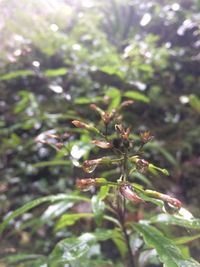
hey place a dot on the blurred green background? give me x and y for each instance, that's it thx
(57, 57)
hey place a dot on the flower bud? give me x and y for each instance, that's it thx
(166, 198)
(126, 190)
(83, 125)
(104, 115)
(126, 103)
(146, 137)
(142, 165)
(102, 144)
(90, 165)
(87, 184)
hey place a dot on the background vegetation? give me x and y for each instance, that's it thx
(57, 57)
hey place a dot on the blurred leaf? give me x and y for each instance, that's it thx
(86, 100)
(195, 102)
(169, 254)
(51, 163)
(20, 257)
(115, 96)
(16, 74)
(167, 155)
(30, 205)
(55, 72)
(137, 96)
(70, 219)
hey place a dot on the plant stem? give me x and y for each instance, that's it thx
(121, 213)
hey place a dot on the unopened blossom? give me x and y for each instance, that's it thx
(126, 190)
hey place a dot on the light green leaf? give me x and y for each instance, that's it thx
(70, 219)
(87, 100)
(20, 257)
(98, 207)
(71, 249)
(119, 241)
(37, 202)
(15, 74)
(167, 219)
(55, 72)
(185, 239)
(137, 96)
(115, 95)
(169, 254)
(195, 102)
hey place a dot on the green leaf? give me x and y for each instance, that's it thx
(98, 207)
(37, 202)
(70, 249)
(20, 257)
(169, 254)
(195, 102)
(51, 163)
(167, 219)
(137, 96)
(55, 72)
(15, 74)
(185, 239)
(119, 241)
(87, 100)
(115, 95)
(70, 219)
(167, 155)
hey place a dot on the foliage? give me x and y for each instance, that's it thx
(57, 57)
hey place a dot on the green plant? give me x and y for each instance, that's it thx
(120, 206)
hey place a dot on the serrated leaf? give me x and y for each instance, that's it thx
(70, 219)
(169, 254)
(137, 96)
(32, 204)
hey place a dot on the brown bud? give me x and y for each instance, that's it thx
(166, 198)
(142, 165)
(102, 144)
(85, 184)
(146, 137)
(104, 115)
(126, 190)
(88, 183)
(90, 165)
(59, 145)
(83, 125)
(126, 103)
